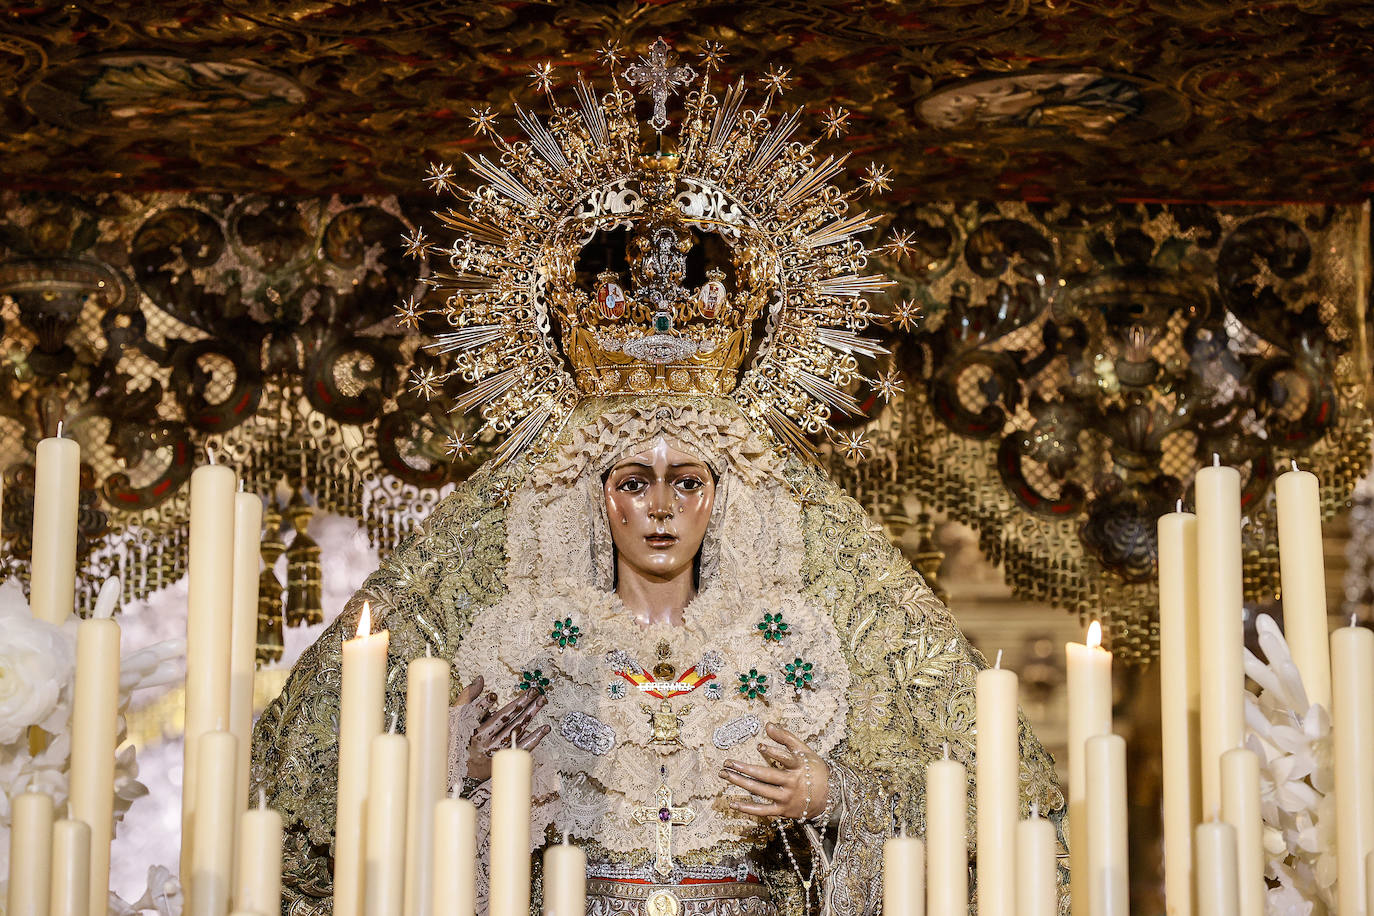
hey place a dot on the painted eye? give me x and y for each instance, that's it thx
(631, 485)
(690, 483)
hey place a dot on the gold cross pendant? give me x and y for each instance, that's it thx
(665, 815)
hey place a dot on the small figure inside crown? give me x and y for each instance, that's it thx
(711, 298)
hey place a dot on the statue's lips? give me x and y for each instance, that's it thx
(660, 540)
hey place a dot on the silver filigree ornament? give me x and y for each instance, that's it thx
(736, 731)
(587, 733)
(658, 77)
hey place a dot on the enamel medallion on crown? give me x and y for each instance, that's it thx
(709, 253)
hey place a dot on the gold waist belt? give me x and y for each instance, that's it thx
(665, 899)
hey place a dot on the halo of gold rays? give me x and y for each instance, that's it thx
(517, 230)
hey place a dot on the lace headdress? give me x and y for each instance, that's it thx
(603, 256)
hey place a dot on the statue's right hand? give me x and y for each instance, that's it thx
(498, 726)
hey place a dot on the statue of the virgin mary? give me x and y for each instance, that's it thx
(730, 680)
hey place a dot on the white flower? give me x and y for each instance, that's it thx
(35, 669)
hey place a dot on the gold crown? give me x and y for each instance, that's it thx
(585, 266)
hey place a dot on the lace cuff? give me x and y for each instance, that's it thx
(852, 879)
(462, 725)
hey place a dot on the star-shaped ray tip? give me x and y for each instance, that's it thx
(417, 243)
(483, 121)
(458, 445)
(836, 121)
(439, 177)
(410, 312)
(888, 385)
(853, 444)
(777, 80)
(877, 178)
(425, 382)
(906, 315)
(901, 243)
(712, 53)
(541, 77)
(610, 54)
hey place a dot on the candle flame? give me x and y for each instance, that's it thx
(1094, 635)
(365, 621)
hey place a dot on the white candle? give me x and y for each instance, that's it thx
(94, 730)
(1089, 675)
(362, 696)
(1303, 576)
(946, 838)
(57, 487)
(565, 880)
(904, 872)
(1369, 883)
(384, 884)
(455, 857)
(1240, 807)
(1352, 745)
(30, 877)
(1037, 876)
(997, 781)
(258, 887)
(1217, 886)
(210, 567)
(1180, 705)
(70, 893)
(427, 693)
(511, 772)
(1220, 624)
(243, 636)
(1108, 878)
(212, 848)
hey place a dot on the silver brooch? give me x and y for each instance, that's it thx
(714, 691)
(711, 662)
(736, 732)
(616, 690)
(620, 660)
(587, 733)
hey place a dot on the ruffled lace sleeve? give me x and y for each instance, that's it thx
(852, 881)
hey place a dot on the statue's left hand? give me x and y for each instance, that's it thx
(794, 784)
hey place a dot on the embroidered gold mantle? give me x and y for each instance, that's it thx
(910, 670)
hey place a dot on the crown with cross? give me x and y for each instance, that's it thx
(599, 258)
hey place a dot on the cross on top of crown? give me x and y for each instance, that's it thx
(659, 77)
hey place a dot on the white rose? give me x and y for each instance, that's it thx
(35, 669)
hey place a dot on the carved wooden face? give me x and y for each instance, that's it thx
(658, 503)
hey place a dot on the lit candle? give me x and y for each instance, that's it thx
(70, 893)
(1217, 885)
(904, 872)
(947, 837)
(210, 579)
(1352, 745)
(1180, 704)
(1108, 880)
(565, 880)
(997, 783)
(56, 489)
(511, 772)
(212, 848)
(427, 693)
(362, 696)
(455, 857)
(30, 877)
(94, 735)
(258, 888)
(1240, 807)
(1037, 883)
(1303, 576)
(1220, 598)
(1089, 674)
(243, 637)
(384, 885)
